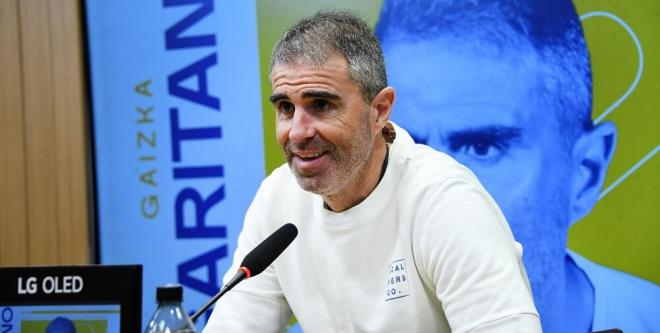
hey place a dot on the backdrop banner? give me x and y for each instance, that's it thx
(178, 138)
(184, 131)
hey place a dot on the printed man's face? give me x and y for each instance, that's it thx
(483, 109)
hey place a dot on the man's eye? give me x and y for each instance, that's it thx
(482, 149)
(285, 108)
(485, 146)
(322, 105)
(479, 150)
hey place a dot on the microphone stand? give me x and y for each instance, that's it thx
(240, 276)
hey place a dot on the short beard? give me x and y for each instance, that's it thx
(349, 161)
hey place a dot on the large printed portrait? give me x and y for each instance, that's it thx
(507, 88)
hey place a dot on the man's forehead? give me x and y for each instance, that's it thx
(460, 84)
(458, 116)
(299, 75)
(447, 55)
(303, 63)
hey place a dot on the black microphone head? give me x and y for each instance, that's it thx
(265, 253)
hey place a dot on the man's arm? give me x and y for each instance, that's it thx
(256, 304)
(465, 250)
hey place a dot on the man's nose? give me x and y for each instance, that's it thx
(302, 126)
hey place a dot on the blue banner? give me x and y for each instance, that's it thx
(178, 137)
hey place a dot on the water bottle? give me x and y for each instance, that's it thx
(170, 317)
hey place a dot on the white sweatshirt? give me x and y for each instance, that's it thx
(427, 251)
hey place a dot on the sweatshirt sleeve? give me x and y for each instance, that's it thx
(466, 252)
(258, 303)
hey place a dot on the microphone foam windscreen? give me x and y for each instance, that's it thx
(265, 253)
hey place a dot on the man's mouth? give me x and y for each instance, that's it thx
(309, 156)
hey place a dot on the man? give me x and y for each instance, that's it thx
(504, 87)
(393, 236)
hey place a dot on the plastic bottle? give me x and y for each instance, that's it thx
(170, 317)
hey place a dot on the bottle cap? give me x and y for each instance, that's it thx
(169, 293)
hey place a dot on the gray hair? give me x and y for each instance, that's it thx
(327, 33)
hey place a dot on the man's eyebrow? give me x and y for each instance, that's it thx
(307, 94)
(320, 94)
(274, 98)
(487, 133)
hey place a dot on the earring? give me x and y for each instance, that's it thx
(388, 132)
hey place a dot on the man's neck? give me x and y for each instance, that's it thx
(364, 182)
(572, 306)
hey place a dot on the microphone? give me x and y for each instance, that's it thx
(256, 261)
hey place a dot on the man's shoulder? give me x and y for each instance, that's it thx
(613, 280)
(428, 179)
(424, 166)
(422, 158)
(620, 299)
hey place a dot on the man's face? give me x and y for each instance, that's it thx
(322, 124)
(484, 110)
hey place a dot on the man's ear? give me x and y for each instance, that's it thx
(382, 104)
(592, 153)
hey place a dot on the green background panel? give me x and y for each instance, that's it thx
(623, 230)
(82, 326)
